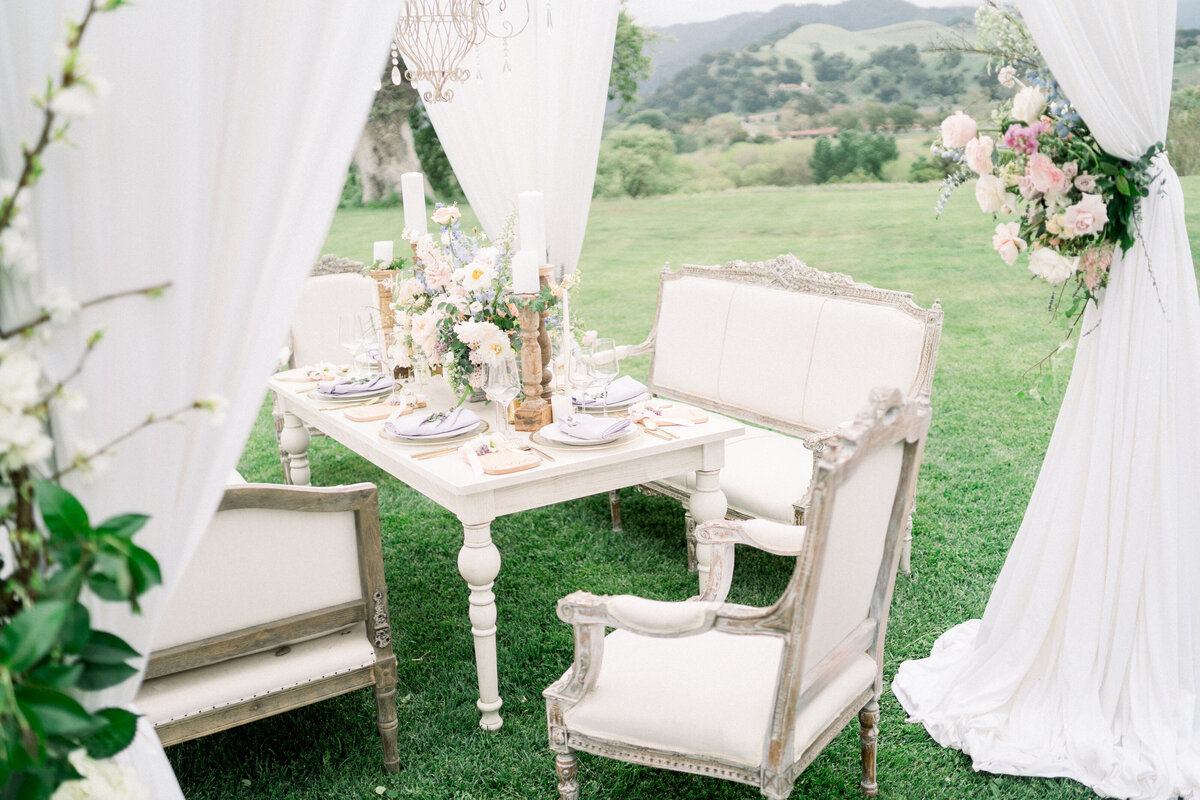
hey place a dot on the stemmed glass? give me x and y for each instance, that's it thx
(605, 365)
(351, 333)
(502, 385)
(580, 374)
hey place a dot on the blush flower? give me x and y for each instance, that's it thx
(1086, 217)
(979, 155)
(1007, 242)
(1051, 265)
(1028, 104)
(991, 194)
(1046, 177)
(958, 129)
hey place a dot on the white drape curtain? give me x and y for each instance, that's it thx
(1087, 659)
(538, 125)
(214, 163)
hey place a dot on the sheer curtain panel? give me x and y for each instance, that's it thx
(214, 162)
(530, 118)
(1087, 659)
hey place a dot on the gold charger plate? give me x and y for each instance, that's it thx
(537, 438)
(470, 433)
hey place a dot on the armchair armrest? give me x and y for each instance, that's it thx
(773, 537)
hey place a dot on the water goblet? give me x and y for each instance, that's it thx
(502, 385)
(580, 373)
(605, 365)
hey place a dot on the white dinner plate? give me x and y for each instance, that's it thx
(462, 434)
(552, 433)
(598, 408)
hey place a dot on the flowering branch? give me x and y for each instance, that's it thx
(46, 315)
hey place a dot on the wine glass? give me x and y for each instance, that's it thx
(350, 334)
(605, 365)
(580, 374)
(502, 385)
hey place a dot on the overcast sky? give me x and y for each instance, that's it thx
(660, 13)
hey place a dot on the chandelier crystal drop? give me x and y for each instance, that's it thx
(435, 36)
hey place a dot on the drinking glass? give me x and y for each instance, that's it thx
(502, 385)
(580, 375)
(350, 334)
(605, 365)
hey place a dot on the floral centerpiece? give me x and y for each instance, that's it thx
(457, 309)
(1058, 198)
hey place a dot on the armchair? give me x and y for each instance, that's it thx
(283, 604)
(779, 683)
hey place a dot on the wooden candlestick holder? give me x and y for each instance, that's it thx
(534, 411)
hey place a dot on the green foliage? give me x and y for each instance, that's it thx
(638, 161)
(852, 152)
(930, 168)
(434, 162)
(1183, 131)
(49, 652)
(631, 62)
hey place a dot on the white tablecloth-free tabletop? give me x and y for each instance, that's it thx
(477, 500)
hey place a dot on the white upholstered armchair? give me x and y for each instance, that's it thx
(778, 683)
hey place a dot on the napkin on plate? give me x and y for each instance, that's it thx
(354, 385)
(622, 390)
(439, 424)
(593, 429)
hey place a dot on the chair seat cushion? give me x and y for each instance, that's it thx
(709, 695)
(195, 691)
(764, 473)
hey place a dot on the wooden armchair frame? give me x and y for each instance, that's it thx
(888, 420)
(371, 609)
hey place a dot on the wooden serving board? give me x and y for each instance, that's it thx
(507, 461)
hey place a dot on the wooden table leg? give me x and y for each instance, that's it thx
(479, 564)
(707, 502)
(295, 439)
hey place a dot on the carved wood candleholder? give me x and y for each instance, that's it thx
(534, 411)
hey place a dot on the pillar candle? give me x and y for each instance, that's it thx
(412, 186)
(532, 208)
(383, 252)
(525, 273)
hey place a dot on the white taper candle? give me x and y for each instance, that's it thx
(412, 188)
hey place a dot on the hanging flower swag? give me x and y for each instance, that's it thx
(457, 309)
(1060, 200)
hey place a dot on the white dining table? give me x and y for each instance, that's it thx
(476, 500)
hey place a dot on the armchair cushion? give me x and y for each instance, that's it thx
(228, 683)
(764, 474)
(708, 694)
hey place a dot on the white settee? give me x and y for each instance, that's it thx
(790, 350)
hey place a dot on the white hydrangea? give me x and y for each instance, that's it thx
(73, 102)
(23, 440)
(17, 251)
(105, 779)
(59, 305)
(19, 378)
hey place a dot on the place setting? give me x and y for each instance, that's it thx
(440, 427)
(595, 385)
(586, 432)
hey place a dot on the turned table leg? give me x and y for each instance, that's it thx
(479, 564)
(294, 440)
(706, 503)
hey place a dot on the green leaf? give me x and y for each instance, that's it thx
(61, 512)
(65, 584)
(144, 569)
(60, 714)
(106, 648)
(113, 737)
(102, 676)
(62, 677)
(124, 526)
(31, 634)
(1122, 184)
(77, 629)
(106, 588)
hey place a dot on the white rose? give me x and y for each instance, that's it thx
(1051, 265)
(991, 194)
(1007, 76)
(446, 215)
(476, 307)
(1028, 104)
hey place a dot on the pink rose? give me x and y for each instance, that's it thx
(1007, 243)
(958, 129)
(979, 154)
(1026, 187)
(1046, 177)
(1086, 183)
(1094, 264)
(437, 273)
(1086, 217)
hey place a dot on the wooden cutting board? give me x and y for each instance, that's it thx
(507, 461)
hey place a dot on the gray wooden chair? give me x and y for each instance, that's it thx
(283, 605)
(754, 694)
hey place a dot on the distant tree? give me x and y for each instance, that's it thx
(875, 116)
(851, 154)
(638, 161)
(845, 119)
(631, 59)
(823, 161)
(650, 116)
(810, 104)
(904, 115)
(834, 67)
(875, 151)
(930, 168)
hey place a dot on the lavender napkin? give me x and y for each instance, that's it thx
(438, 424)
(346, 386)
(593, 429)
(622, 390)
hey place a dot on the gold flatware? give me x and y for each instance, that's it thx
(434, 453)
(370, 402)
(659, 434)
(546, 456)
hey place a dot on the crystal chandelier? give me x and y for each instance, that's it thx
(435, 37)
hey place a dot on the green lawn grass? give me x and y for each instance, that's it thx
(983, 455)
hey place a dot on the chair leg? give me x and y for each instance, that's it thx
(385, 711)
(614, 507)
(906, 549)
(868, 736)
(567, 766)
(689, 535)
(284, 459)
